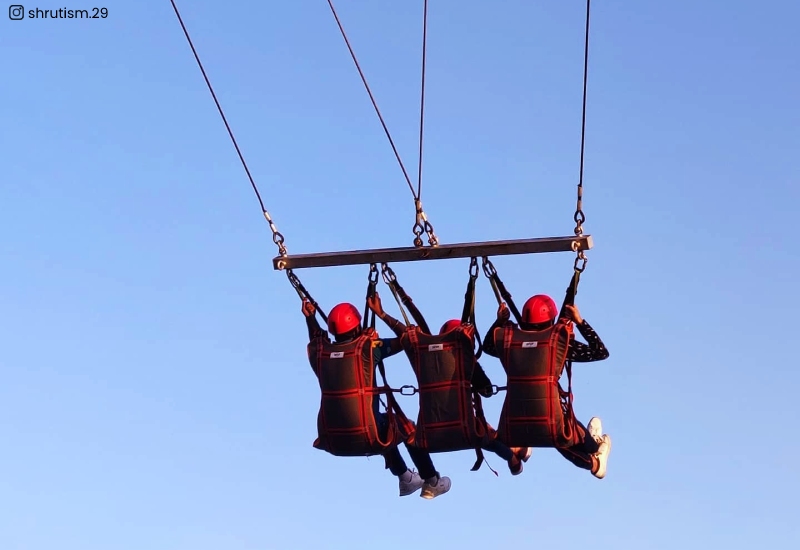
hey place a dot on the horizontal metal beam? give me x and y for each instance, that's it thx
(441, 252)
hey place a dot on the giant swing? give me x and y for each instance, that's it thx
(443, 384)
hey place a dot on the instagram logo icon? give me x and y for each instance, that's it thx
(16, 12)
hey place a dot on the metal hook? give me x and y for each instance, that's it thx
(388, 275)
(488, 267)
(473, 267)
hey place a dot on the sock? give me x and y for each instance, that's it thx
(432, 480)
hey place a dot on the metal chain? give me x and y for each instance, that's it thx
(277, 236)
(423, 225)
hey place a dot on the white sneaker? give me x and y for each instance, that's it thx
(432, 491)
(602, 457)
(596, 429)
(412, 485)
(522, 454)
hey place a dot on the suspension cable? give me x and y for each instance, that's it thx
(422, 95)
(580, 217)
(421, 220)
(277, 236)
(372, 98)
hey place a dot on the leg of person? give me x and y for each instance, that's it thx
(591, 452)
(514, 457)
(409, 481)
(435, 484)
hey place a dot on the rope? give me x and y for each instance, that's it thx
(580, 217)
(422, 96)
(372, 98)
(277, 237)
(421, 223)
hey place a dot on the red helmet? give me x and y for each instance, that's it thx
(450, 325)
(343, 318)
(539, 309)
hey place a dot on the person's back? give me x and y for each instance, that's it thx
(538, 371)
(366, 351)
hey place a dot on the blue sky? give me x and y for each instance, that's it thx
(155, 390)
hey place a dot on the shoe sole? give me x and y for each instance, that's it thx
(608, 452)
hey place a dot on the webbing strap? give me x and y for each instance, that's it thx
(304, 294)
(468, 312)
(393, 410)
(572, 291)
(500, 290)
(369, 315)
(402, 298)
(479, 415)
(390, 279)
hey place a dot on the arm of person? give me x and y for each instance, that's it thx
(489, 345)
(314, 330)
(374, 303)
(481, 382)
(593, 350)
(386, 347)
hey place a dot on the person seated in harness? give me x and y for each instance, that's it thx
(478, 380)
(344, 322)
(521, 349)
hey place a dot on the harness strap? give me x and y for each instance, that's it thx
(500, 290)
(394, 412)
(484, 427)
(468, 312)
(402, 298)
(572, 290)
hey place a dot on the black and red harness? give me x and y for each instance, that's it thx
(450, 414)
(537, 410)
(346, 422)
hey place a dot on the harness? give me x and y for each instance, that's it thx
(443, 366)
(537, 411)
(450, 414)
(346, 422)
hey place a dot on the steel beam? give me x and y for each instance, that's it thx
(441, 252)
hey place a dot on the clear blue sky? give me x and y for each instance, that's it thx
(155, 392)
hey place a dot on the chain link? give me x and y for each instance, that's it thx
(277, 236)
(579, 217)
(373, 274)
(388, 274)
(422, 225)
(488, 267)
(580, 258)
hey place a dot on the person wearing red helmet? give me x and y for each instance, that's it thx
(590, 447)
(344, 323)
(480, 382)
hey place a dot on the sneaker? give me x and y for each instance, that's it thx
(439, 488)
(602, 457)
(596, 429)
(523, 453)
(412, 485)
(515, 470)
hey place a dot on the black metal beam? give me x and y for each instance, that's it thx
(441, 252)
